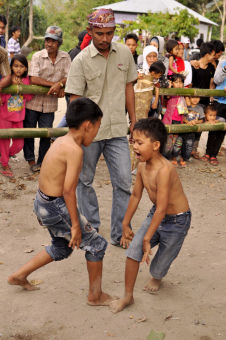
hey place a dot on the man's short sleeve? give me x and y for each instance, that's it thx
(76, 81)
(68, 65)
(34, 68)
(132, 72)
(4, 63)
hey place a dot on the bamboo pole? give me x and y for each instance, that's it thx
(57, 132)
(34, 89)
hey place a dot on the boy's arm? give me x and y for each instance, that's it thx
(162, 198)
(212, 86)
(155, 104)
(74, 162)
(134, 200)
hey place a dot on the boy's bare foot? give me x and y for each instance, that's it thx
(13, 280)
(152, 286)
(118, 305)
(103, 300)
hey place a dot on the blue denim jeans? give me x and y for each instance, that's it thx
(116, 154)
(54, 215)
(44, 120)
(170, 236)
(187, 145)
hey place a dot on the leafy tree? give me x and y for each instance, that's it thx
(163, 24)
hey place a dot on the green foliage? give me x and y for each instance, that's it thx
(163, 24)
(19, 16)
(184, 23)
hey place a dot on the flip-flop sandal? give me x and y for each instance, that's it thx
(35, 167)
(195, 155)
(213, 161)
(183, 164)
(205, 158)
(174, 163)
(8, 174)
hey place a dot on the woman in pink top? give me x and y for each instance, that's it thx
(12, 112)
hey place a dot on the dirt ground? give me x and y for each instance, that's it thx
(190, 304)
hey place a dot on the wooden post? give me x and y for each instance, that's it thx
(143, 96)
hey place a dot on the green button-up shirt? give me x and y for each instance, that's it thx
(104, 80)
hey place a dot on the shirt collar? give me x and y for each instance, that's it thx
(94, 51)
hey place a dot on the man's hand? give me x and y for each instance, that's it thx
(61, 93)
(76, 237)
(127, 236)
(147, 251)
(154, 105)
(54, 89)
(195, 63)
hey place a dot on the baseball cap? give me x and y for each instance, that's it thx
(54, 32)
(187, 41)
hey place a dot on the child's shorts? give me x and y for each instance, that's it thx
(170, 236)
(54, 215)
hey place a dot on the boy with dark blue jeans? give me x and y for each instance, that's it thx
(56, 204)
(167, 223)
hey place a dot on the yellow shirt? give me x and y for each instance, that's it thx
(104, 80)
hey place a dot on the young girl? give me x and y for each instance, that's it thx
(183, 67)
(176, 107)
(12, 112)
(172, 49)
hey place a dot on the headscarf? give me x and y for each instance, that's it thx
(101, 18)
(146, 51)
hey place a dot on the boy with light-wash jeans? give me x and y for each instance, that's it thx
(168, 221)
(56, 205)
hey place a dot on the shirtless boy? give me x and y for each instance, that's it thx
(169, 219)
(56, 205)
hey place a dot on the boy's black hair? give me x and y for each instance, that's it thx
(210, 107)
(154, 129)
(157, 67)
(23, 60)
(199, 42)
(170, 45)
(206, 48)
(14, 29)
(131, 36)
(218, 46)
(80, 110)
(3, 19)
(176, 76)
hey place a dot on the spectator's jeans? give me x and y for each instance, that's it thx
(116, 154)
(44, 120)
(215, 139)
(187, 145)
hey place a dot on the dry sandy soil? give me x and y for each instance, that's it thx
(190, 304)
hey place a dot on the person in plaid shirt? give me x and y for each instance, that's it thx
(49, 67)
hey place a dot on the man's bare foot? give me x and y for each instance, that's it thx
(13, 280)
(118, 305)
(103, 300)
(152, 286)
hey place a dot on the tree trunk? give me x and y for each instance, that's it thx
(7, 26)
(30, 38)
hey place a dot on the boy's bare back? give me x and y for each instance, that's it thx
(61, 165)
(161, 180)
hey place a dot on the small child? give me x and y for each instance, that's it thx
(156, 70)
(169, 219)
(12, 112)
(131, 41)
(215, 138)
(172, 48)
(195, 116)
(56, 205)
(174, 115)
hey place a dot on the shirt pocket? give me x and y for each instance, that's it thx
(93, 81)
(122, 74)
